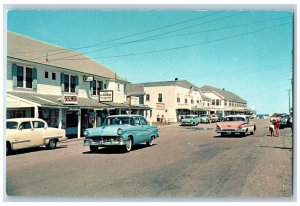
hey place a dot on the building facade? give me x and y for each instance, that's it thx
(77, 93)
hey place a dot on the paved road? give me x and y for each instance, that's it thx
(184, 162)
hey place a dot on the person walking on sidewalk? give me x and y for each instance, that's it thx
(277, 126)
(158, 119)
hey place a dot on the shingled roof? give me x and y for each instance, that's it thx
(26, 48)
(180, 83)
(224, 93)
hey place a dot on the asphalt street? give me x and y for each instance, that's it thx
(184, 162)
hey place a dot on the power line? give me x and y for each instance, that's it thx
(181, 47)
(127, 36)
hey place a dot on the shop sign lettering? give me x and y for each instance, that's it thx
(106, 96)
(160, 106)
(70, 99)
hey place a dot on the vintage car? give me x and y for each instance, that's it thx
(190, 120)
(31, 132)
(214, 118)
(121, 130)
(233, 124)
(204, 118)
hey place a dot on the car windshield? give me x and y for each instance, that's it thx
(11, 125)
(188, 117)
(118, 121)
(233, 119)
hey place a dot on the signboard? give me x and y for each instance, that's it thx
(160, 106)
(70, 99)
(134, 101)
(88, 78)
(106, 96)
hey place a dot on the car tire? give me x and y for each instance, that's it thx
(51, 144)
(8, 148)
(253, 132)
(128, 146)
(243, 134)
(93, 148)
(222, 134)
(150, 143)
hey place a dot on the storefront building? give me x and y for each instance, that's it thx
(74, 94)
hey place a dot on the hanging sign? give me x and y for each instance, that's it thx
(70, 99)
(106, 96)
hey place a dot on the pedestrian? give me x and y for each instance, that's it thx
(158, 119)
(277, 126)
(162, 120)
(271, 130)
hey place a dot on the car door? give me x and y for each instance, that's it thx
(38, 133)
(138, 130)
(146, 131)
(23, 136)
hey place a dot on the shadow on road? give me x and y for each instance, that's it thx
(230, 136)
(34, 149)
(289, 148)
(117, 150)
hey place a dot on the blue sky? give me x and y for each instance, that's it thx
(246, 52)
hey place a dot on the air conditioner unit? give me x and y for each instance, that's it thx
(88, 78)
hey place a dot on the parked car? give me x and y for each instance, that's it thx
(284, 120)
(233, 124)
(121, 130)
(31, 132)
(204, 118)
(214, 118)
(190, 120)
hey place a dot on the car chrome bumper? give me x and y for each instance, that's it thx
(90, 142)
(230, 131)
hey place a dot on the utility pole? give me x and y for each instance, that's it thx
(289, 99)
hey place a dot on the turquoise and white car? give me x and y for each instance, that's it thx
(190, 120)
(121, 130)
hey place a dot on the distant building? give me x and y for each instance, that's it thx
(224, 102)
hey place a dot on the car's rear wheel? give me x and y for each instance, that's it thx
(222, 134)
(243, 134)
(8, 148)
(150, 142)
(51, 144)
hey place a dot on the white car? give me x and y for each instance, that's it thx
(31, 132)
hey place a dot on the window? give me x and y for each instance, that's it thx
(217, 102)
(213, 102)
(178, 99)
(147, 97)
(185, 100)
(20, 75)
(69, 83)
(143, 121)
(38, 124)
(192, 101)
(53, 76)
(23, 76)
(96, 87)
(118, 87)
(225, 102)
(159, 97)
(28, 77)
(25, 125)
(46, 75)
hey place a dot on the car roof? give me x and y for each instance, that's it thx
(125, 115)
(237, 115)
(24, 119)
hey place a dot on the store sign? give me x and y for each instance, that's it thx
(70, 99)
(88, 78)
(160, 106)
(134, 101)
(106, 96)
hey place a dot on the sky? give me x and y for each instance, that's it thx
(245, 52)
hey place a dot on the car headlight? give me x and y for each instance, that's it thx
(85, 133)
(120, 131)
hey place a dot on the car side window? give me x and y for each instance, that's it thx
(143, 121)
(38, 124)
(136, 121)
(25, 125)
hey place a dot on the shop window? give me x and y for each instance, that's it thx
(46, 75)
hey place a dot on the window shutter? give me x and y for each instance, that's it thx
(34, 78)
(76, 84)
(14, 74)
(62, 80)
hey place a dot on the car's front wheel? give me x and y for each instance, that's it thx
(128, 146)
(51, 144)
